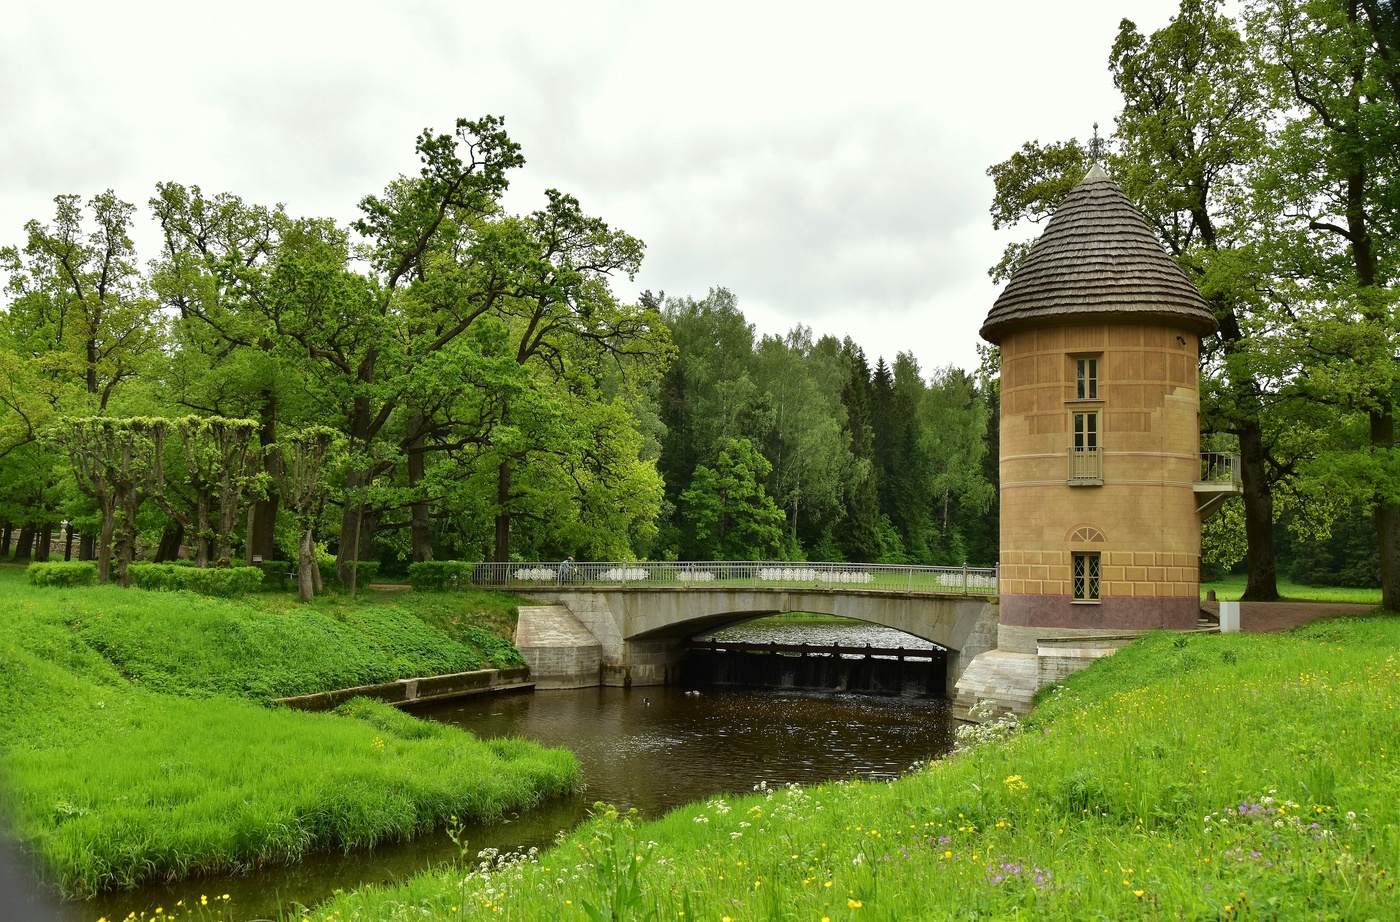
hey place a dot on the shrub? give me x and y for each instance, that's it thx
(440, 574)
(63, 573)
(171, 577)
(275, 574)
(366, 571)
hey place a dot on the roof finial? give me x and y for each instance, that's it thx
(1096, 146)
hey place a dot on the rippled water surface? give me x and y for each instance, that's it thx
(649, 748)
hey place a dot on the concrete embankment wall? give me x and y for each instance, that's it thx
(420, 690)
(560, 650)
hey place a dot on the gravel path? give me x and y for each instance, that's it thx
(1260, 617)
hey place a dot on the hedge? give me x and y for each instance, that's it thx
(63, 573)
(365, 573)
(440, 574)
(229, 581)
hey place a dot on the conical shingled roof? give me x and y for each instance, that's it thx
(1097, 260)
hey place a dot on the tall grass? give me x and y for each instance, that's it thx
(1186, 777)
(130, 750)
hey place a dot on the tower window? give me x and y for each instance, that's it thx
(1086, 374)
(1086, 431)
(1086, 577)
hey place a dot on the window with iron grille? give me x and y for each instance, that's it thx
(1086, 577)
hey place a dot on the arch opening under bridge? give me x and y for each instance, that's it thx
(641, 632)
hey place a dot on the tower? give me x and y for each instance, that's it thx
(1100, 434)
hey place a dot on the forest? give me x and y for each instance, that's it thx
(441, 379)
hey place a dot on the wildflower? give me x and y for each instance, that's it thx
(854, 903)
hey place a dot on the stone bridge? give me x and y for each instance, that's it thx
(635, 634)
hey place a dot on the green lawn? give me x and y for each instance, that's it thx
(1186, 777)
(137, 744)
(1230, 588)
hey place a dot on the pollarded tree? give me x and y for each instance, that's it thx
(117, 463)
(301, 473)
(222, 464)
(730, 514)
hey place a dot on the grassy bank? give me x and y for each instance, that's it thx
(1231, 587)
(137, 744)
(1186, 777)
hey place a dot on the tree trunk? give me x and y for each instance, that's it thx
(262, 514)
(6, 535)
(44, 545)
(24, 550)
(356, 526)
(104, 546)
(203, 531)
(501, 553)
(420, 524)
(67, 540)
(170, 540)
(1387, 516)
(87, 550)
(1258, 516)
(306, 567)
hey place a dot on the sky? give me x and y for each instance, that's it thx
(824, 162)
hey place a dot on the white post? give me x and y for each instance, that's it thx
(1229, 617)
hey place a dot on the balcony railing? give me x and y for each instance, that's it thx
(1220, 467)
(1086, 466)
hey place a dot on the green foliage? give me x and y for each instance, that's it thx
(440, 574)
(222, 581)
(63, 573)
(730, 512)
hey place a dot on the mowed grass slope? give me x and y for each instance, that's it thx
(1186, 777)
(135, 743)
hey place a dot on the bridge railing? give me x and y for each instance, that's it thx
(731, 574)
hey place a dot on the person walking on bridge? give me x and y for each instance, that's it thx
(567, 570)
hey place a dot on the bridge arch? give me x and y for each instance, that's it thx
(642, 631)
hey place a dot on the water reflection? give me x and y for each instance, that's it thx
(658, 748)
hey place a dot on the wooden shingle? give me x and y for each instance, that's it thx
(1097, 261)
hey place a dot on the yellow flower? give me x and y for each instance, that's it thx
(853, 903)
(1138, 893)
(828, 883)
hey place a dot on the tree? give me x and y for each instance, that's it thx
(1330, 185)
(301, 474)
(858, 532)
(730, 514)
(80, 321)
(221, 465)
(568, 327)
(214, 275)
(117, 463)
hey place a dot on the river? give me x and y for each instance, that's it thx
(648, 748)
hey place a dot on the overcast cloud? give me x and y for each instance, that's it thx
(825, 162)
